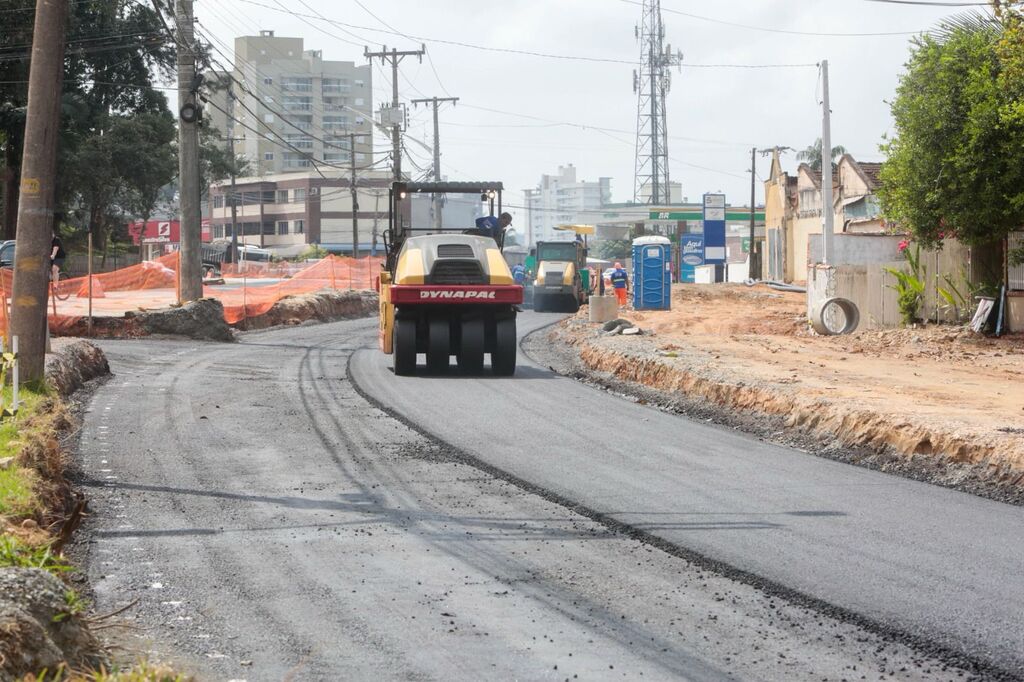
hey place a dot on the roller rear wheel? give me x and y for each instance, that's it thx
(471, 350)
(503, 358)
(404, 347)
(438, 345)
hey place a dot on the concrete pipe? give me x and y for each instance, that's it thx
(850, 312)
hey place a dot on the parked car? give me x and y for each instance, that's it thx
(7, 253)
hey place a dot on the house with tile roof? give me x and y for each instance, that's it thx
(793, 212)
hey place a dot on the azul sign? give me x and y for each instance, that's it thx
(691, 255)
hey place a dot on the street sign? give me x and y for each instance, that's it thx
(714, 229)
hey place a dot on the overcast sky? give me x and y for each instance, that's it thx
(715, 115)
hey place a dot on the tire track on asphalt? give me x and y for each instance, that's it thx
(920, 643)
(548, 596)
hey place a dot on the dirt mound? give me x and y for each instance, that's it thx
(40, 628)
(202, 319)
(74, 363)
(323, 306)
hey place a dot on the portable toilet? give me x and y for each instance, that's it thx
(652, 273)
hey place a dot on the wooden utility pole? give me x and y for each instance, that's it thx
(355, 194)
(191, 271)
(395, 57)
(38, 178)
(436, 102)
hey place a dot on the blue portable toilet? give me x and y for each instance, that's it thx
(652, 273)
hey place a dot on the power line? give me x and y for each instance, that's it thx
(778, 30)
(440, 41)
(932, 4)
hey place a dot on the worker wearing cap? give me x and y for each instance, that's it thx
(620, 281)
(494, 225)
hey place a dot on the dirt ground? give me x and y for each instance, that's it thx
(935, 390)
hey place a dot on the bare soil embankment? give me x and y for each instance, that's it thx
(937, 403)
(204, 319)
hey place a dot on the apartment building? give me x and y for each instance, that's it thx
(560, 199)
(295, 108)
(288, 211)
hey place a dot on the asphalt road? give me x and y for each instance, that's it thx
(273, 523)
(943, 565)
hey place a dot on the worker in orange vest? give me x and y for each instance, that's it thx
(620, 282)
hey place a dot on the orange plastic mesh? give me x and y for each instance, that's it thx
(154, 284)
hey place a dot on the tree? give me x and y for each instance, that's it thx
(956, 163)
(812, 155)
(121, 171)
(114, 51)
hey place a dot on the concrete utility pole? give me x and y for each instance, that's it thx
(355, 195)
(395, 57)
(826, 169)
(38, 179)
(190, 273)
(753, 271)
(232, 197)
(756, 263)
(436, 102)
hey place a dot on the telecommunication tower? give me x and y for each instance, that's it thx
(651, 85)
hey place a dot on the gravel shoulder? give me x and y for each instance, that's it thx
(272, 522)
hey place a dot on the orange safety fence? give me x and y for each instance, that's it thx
(243, 302)
(154, 284)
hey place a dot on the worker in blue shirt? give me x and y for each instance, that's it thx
(620, 280)
(519, 274)
(494, 225)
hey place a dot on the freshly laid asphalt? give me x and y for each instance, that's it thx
(278, 512)
(942, 565)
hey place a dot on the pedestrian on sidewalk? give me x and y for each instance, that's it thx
(620, 282)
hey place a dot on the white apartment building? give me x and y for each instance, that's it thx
(295, 107)
(559, 200)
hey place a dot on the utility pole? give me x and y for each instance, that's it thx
(38, 178)
(355, 195)
(232, 197)
(755, 263)
(826, 169)
(190, 274)
(436, 102)
(395, 115)
(234, 205)
(753, 269)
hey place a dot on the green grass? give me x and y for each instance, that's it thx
(14, 553)
(17, 496)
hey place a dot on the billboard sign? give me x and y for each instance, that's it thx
(714, 229)
(691, 256)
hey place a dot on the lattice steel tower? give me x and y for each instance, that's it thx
(651, 84)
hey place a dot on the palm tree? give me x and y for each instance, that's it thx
(812, 155)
